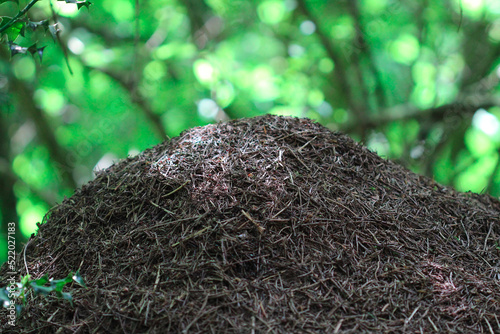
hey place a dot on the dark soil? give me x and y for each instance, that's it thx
(266, 225)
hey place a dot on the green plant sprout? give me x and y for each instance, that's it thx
(19, 291)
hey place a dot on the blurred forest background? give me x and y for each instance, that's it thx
(417, 81)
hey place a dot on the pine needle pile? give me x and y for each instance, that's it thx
(266, 225)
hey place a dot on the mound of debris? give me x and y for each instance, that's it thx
(270, 224)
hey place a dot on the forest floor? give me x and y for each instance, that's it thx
(269, 224)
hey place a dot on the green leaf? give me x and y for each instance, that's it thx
(25, 280)
(14, 30)
(79, 3)
(79, 279)
(34, 49)
(41, 290)
(41, 281)
(67, 296)
(54, 30)
(39, 51)
(15, 49)
(83, 4)
(40, 24)
(58, 285)
(4, 296)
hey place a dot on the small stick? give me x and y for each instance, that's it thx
(160, 207)
(342, 205)
(259, 228)
(24, 255)
(300, 149)
(296, 157)
(179, 188)
(193, 235)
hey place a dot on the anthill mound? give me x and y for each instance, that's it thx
(270, 224)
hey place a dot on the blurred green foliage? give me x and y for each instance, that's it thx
(417, 81)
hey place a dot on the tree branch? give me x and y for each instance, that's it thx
(44, 130)
(359, 44)
(491, 179)
(16, 18)
(339, 70)
(407, 112)
(365, 50)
